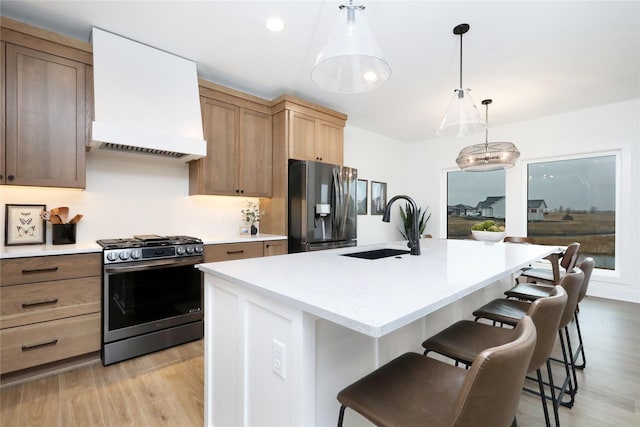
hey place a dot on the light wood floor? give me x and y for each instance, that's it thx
(166, 388)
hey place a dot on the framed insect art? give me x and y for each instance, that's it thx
(23, 225)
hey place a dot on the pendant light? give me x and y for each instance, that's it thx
(462, 116)
(490, 155)
(351, 61)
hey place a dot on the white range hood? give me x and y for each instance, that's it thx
(146, 100)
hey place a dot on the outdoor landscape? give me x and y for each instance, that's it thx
(595, 231)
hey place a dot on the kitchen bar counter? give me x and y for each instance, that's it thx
(46, 250)
(285, 334)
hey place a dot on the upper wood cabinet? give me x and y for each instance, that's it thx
(47, 109)
(301, 130)
(311, 138)
(239, 145)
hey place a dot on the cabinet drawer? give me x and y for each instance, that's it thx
(16, 271)
(32, 345)
(38, 302)
(275, 247)
(231, 251)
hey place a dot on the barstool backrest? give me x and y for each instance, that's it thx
(571, 282)
(546, 314)
(570, 256)
(586, 266)
(492, 388)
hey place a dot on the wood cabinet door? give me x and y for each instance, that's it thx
(216, 173)
(45, 119)
(255, 152)
(302, 137)
(330, 142)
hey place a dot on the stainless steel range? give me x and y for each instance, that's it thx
(152, 294)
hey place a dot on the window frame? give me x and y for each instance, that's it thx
(618, 191)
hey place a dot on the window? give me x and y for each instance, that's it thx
(474, 197)
(575, 200)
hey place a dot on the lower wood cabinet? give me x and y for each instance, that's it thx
(50, 309)
(275, 247)
(32, 345)
(231, 251)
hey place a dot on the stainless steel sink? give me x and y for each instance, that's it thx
(378, 253)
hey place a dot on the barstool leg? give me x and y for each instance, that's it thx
(580, 350)
(341, 415)
(573, 365)
(543, 398)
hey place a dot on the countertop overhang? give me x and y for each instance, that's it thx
(376, 297)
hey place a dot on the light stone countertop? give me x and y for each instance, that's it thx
(376, 297)
(45, 250)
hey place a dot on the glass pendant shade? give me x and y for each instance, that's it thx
(351, 61)
(462, 116)
(490, 155)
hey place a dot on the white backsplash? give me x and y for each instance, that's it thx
(129, 194)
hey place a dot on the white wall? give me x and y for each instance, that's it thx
(608, 128)
(129, 194)
(381, 159)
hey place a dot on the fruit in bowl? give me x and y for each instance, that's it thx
(488, 231)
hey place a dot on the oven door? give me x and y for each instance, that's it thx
(144, 297)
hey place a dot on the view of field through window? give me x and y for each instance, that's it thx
(567, 201)
(575, 201)
(474, 197)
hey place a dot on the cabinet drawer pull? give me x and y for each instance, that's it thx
(40, 270)
(42, 344)
(32, 304)
(241, 251)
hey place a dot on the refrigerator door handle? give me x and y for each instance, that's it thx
(338, 205)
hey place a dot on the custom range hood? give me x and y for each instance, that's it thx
(146, 100)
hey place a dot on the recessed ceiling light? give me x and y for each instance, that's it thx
(275, 24)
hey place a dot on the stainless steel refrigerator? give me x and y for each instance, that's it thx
(322, 206)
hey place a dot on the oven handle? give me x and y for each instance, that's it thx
(152, 265)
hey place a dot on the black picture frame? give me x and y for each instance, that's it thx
(23, 225)
(378, 197)
(361, 196)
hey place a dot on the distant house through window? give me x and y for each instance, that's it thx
(474, 197)
(575, 200)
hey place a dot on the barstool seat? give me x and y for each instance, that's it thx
(415, 390)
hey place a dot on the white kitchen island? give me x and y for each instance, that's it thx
(284, 334)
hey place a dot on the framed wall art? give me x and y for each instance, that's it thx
(361, 196)
(23, 225)
(378, 197)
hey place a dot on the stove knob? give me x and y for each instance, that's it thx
(189, 249)
(136, 254)
(199, 249)
(180, 250)
(112, 256)
(124, 255)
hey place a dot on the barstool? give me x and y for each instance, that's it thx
(531, 291)
(463, 340)
(553, 276)
(508, 311)
(415, 390)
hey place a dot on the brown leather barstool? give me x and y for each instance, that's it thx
(415, 390)
(508, 311)
(532, 291)
(545, 275)
(463, 340)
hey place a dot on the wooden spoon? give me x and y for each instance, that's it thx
(76, 219)
(55, 219)
(63, 213)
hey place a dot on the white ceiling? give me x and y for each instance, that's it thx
(533, 58)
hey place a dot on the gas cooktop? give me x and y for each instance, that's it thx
(142, 240)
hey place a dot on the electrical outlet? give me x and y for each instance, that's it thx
(278, 358)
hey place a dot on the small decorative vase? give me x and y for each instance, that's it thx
(254, 229)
